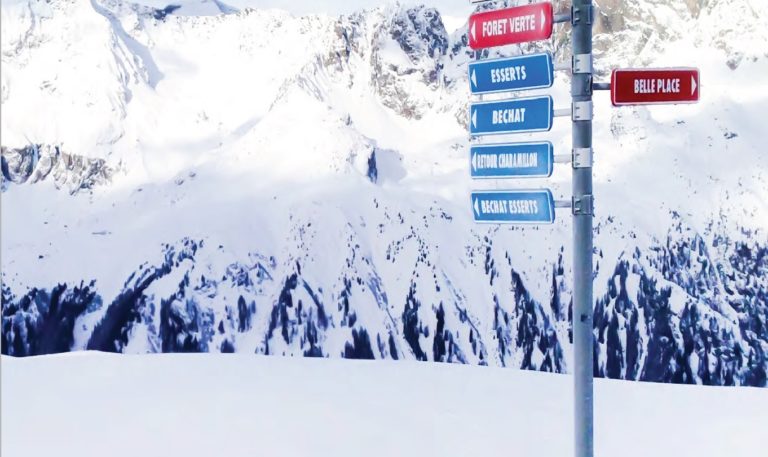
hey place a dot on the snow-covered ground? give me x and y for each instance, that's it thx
(233, 405)
(210, 179)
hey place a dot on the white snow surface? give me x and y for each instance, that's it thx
(93, 404)
(252, 130)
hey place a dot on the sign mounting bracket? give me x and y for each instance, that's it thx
(563, 158)
(582, 157)
(584, 205)
(582, 63)
(562, 17)
(585, 13)
(601, 86)
(581, 111)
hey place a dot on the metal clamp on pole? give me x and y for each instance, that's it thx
(584, 206)
(582, 157)
(581, 111)
(585, 13)
(582, 63)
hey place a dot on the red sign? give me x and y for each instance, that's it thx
(510, 26)
(654, 86)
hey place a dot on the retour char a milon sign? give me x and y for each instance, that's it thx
(512, 160)
(520, 24)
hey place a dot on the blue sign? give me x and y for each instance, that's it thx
(523, 160)
(514, 206)
(533, 71)
(533, 114)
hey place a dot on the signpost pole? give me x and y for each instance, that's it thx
(581, 92)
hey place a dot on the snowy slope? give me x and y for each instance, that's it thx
(254, 181)
(197, 405)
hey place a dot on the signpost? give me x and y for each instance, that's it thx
(532, 114)
(520, 24)
(534, 71)
(521, 160)
(654, 86)
(514, 206)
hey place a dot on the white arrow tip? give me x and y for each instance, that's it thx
(474, 118)
(542, 20)
(472, 31)
(474, 78)
(477, 207)
(693, 85)
(474, 161)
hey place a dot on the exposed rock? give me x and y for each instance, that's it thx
(422, 42)
(35, 163)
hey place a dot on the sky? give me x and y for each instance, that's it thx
(454, 12)
(450, 7)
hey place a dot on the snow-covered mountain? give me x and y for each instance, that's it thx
(198, 177)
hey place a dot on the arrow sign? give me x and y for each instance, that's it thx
(533, 71)
(510, 26)
(654, 86)
(523, 160)
(514, 207)
(532, 114)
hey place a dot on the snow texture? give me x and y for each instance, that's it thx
(215, 178)
(243, 405)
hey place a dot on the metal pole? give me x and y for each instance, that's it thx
(581, 92)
